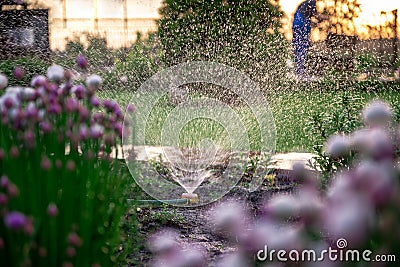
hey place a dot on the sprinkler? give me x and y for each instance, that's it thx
(191, 197)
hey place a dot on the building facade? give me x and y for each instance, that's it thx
(118, 21)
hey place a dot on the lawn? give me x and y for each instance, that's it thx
(292, 110)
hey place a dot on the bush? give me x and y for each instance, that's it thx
(62, 192)
(30, 66)
(341, 118)
(141, 62)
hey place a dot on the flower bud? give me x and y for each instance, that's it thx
(70, 165)
(229, 218)
(93, 82)
(15, 220)
(55, 73)
(377, 113)
(81, 61)
(282, 207)
(12, 190)
(3, 199)
(79, 91)
(96, 131)
(163, 242)
(39, 80)
(337, 146)
(18, 73)
(3, 81)
(74, 240)
(14, 152)
(71, 252)
(95, 101)
(52, 210)
(4, 181)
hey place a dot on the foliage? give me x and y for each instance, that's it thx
(98, 55)
(341, 15)
(292, 107)
(63, 194)
(140, 62)
(31, 65)
(366, 62)
(241, 34)
(341, 118)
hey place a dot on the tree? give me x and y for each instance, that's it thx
(241, 33)
(341, 15)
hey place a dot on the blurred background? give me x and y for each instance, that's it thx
(119, 20)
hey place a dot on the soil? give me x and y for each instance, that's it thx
(193, 224)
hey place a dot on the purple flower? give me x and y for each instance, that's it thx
(18, 73)
(118, 113)
(71, 252)
(45, 163)
(95, 101)
(68, 75)
(83, 132)
(107, 103)
(351, 218)
(229, 217)
(83, 113)
(55, 73)
(9, 102)
(52, 210)
(12, 190)
(96, 131)
(74, 240)
(337, 146)
(109, 139)
(377, 113)
(131, 108)
(98, 117)
(164, 242)
(4, 181)
(71, 104)
(15, 220)
(3, 199)
(93, 82)
(3, 81)
(46, 126)
(54, 108)
(29, 137)
(70, 165)
(81, 61)
(118, 128)
(377, 180)
(58, 164)
(39, 80)
(14, 152)
(79, 91)
(31, 111)
(282, 207)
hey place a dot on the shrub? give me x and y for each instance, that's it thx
(141, 62)
(29, 65)
(342, 118)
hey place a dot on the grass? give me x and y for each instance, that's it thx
(291, 109)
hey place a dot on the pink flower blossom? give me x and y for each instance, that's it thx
(15, 220)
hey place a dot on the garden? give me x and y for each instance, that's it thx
(161, 154)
